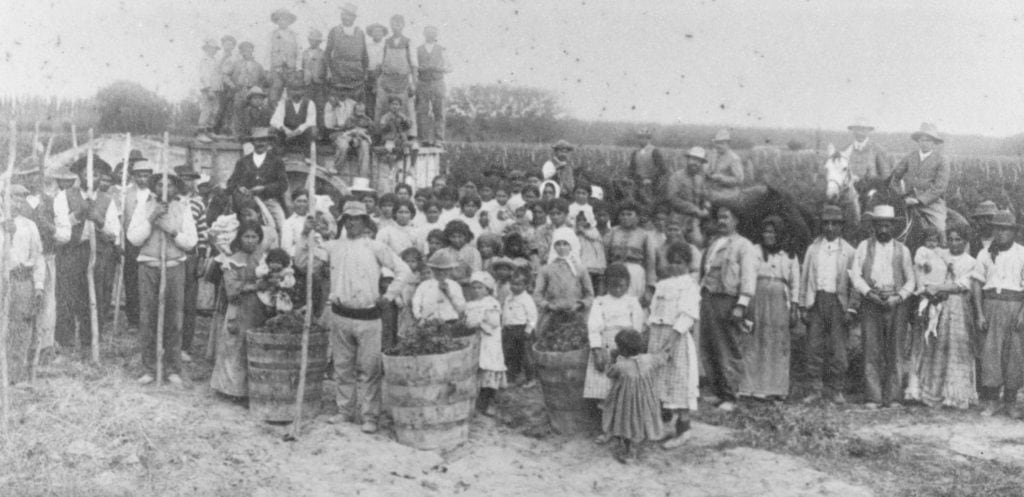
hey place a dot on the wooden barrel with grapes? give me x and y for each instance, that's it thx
(274, 363)
(560, 360)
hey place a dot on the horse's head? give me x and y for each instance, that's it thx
(837, 173)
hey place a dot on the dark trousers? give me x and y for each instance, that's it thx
(884, 337)
(826, 343)
(149, 302)
(105, 272)
(430, 97)
(188, 307)
(388, 318)
(225, 114)
(71, 289)
(720, 337)
(131, 285)
(515, 344)
(297, 143)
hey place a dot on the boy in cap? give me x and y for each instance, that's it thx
(210, 85)
(255, 114)
(246, 74)
(375, 57)
(346, 55)
(155, 224)
(139, 171)
(295, 119)
(430, 88)
(284, 52)
(228, 60)
(398, 75)
(314, 74)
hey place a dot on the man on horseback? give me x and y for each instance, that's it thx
(724, 172)
(922, 178)
(867, 158)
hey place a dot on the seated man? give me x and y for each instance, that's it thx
(294, 118)
(394, 125)
(349, 129)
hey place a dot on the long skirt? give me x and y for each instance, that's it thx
(596, 384)
(676, 381)
(766, 350)
(632, 411)
(230, 370)
(947, 365)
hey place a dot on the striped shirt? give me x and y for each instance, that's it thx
(198, 209)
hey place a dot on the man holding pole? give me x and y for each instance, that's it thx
(155, 224)
(137, 193)
(26, 281)
(196, 256)
(41, 206)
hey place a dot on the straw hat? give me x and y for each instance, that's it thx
(255, 91)
(860, 122)
(99, 166)
(350, 9)
(361, 185)
(927, 130)
(722, 136)
(442, 259)
(186, 172)
(62, 173)
(378, 26)
(315, 34)
(261, 134)
(986, 208)
(484, 278)
(563, 145)
(698, 153)
(1004, 219)
(882, 212)
(831, 213)
(284, 14)
(502, 261)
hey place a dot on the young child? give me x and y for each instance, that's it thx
(603, 216)
(931, 270)
(430, 222)
(420, 198)
(276, 279)
(581, 204)
(448, 196)
(591, 249)
(558, 210)
(435, 242)
(394, 126)
(484, 312)
(675, 309)
(609, 315)
(439, 298)
(489, 246)
(458, 238)
(420, 273)
(519, 319)
(499, 213)
(563, 289)
(470, 208)
(632, 415)
(502, 269)
(515, 247)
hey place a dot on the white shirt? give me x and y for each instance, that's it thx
(858, 146)
(277, 121)
(63, 224)
(828, 266)
(256, 159)
(1006, 273)
(520, 310)
(291, 233)
(515, 202)
(550, 168)
(375, 53)
(336, 116)
(430, 303)
(923, 155)
(26, 250)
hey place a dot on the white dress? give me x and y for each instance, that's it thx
(485, 314)
(608, 316)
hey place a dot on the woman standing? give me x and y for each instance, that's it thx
(766, 349)
(244, 310)
(947, 366)
(634, 247)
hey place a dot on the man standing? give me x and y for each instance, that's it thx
(228, 60)
(682, 192)
(867, 159)
(195, 256)
(1001, 277)
(824, 298)
(983, 235)
(155, 224)
(354, 264)
(210, 86)
(647, 168)
(375, 57)
(41, 215)
(246, 75)
(925, 176)
(430, 90)
(558, 167)
(725, 172)
(346, 56)
(262, 174)
(397, 74)
(882, 273)
(137, 193)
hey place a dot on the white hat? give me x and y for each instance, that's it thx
(697, 153)
(862, 123)
(882, 212)
(597, 192)
(929, 130)
(361, 185)
(722, 135)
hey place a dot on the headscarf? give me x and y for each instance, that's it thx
(558, 189)
(566, 234)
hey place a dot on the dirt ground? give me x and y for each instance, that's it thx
(85, 430)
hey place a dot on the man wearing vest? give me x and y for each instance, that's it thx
(41, 205)
(867, 159)
(558, 167)
(353, 264)
(882, 273)
(824, 298)
(923, 176)
(295, 119)
(430, 90)
(1001, 322)
(647, 168)
(262, 174)
(397, 74)
(137, 193)
(346, 56)
(155, 224)
(107, 249)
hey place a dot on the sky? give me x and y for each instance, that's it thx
(770, 63)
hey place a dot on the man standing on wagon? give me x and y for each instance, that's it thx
(924, 174)
(346, 56)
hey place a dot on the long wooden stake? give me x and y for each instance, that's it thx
(162, 293)
(94, 325)
(74, 136)
(308, 324)
(37, 342)
(5, 405)
(211, 338)
(121, 239)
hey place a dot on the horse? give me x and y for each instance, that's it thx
(841, 189)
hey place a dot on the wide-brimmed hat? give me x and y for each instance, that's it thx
(502, 261)
(361, 185)
(698, 153)
(1004, 219)
(186, 172)
(134, 155)
(315, 34)
(350, 8)
(155, 181)
(722, 136)
(484, 278)
(442, 259)
(376, 25)
(27, 167)
(282, 14)
(99, 166)
(927, 130)
(986, 208)
(140, 165)
(882, 212)
(211, 43)
(255, 91)
(860, 122)
(62, 173)
(831, 213)
(645, 131)
(260, 134)
(563, 145)
(354, 208)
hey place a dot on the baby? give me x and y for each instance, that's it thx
(276, 278)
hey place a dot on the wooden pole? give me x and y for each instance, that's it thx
(74, 136)
(122, 240)
(304, 364)
(94, 324)
(211, 338)
(162, 293)
(5, 405)
(36, 341)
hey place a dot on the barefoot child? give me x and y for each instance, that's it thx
(632, 414)
(519, 319)
(439, 298)
(276, 279)
(674, 311)
(484, 312)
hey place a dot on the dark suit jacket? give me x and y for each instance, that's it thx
(928, 180)
(271, 174)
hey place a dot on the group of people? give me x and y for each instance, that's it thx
(521, 254)
(359, 89)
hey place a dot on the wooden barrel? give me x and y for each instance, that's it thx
(561, 376)
(431, 397)
(274, 363)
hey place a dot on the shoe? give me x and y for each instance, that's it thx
(185, 357)
(174, 379)
(677, 441)
(530, 384)
(727, 406)
(146, 379)
(892, 404)
(813, 398)
(838, 399)
(871, 406)
(603, 439)
(368, 427)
